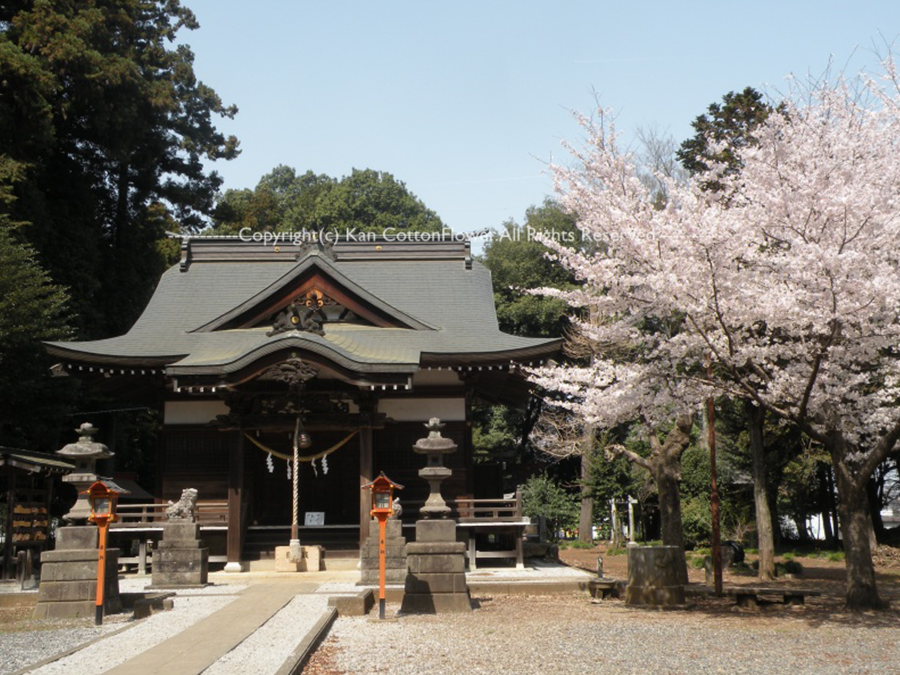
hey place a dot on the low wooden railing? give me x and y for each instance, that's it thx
(468, 510)
(495, 510)
(207, 512)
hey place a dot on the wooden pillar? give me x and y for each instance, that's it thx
(366, 475)
(8, 571)
(468, 449)
(235, 541)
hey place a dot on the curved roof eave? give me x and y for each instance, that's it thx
(289, 342)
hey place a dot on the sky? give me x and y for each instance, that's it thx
(466, 102)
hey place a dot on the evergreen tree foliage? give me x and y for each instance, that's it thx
(723, 131)
(31, 309)
(108, 128)
(365, 201)
(518, 261)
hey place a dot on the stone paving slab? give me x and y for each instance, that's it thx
(195, 649)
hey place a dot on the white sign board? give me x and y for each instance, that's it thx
(314, 518)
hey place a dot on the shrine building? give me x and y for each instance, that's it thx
(246, 346)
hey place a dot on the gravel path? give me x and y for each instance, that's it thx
(569, 634)
(117, 649)
(23, 648)
(268, 648)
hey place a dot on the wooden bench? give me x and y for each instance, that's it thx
(749, 596)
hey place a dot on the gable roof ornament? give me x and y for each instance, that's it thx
(300, 315)
(294, 372)
(319, 244)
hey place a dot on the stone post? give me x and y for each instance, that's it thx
(180, 559)
(69, 576)
(436, 581)
(653, 576)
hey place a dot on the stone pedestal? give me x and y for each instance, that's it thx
(310, 559)
(436, 581)
(653, 577)
(180, 560)
(69, 577)
(394, 558)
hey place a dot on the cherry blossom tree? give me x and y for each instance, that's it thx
(787, 282)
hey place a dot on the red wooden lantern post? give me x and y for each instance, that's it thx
(103, 512)
(382, 507)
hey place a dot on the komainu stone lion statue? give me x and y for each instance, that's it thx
(183, 509)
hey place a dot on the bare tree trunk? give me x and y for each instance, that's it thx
(664, 464)
(667, 479)
(586, 518)
(756, 418)
(826, 505)
(856, 529)
(872, 495)
(856, 526)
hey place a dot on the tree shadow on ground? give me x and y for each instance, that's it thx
(821, 611)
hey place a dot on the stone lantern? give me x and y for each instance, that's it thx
(436, 581)
(434, 446)
(84, 453)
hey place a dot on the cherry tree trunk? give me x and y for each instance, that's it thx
(586, 517)
(856, 526)
(756, 418)
(666, 474)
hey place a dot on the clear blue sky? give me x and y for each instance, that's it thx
(465, 101)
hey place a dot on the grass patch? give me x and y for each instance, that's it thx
(831, 556)
(615, 551)
(581, 544)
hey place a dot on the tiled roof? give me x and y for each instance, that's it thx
(445, 300)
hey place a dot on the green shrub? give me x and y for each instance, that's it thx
(788, 567)
(542, 496)
(790, 555)
(696, 562)
(581, 544)
(615, 551)
(751, 551)
(695, 521)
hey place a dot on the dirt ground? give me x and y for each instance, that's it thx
(820, 636)
(818, 573)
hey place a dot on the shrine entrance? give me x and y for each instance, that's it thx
(328, 485)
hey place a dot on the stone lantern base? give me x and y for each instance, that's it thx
(69, 577)
(436, 582)
(395, 564)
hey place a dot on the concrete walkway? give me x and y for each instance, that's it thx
(195, 649)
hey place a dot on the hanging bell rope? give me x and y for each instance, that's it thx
(324, 453)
